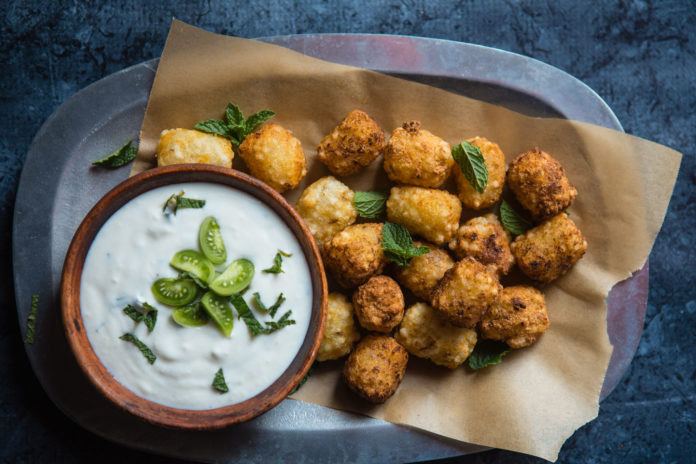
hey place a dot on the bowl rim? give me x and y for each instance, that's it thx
(90, 363)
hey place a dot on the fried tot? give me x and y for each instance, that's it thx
(379, 304)
(484, 239)
(274, 156)
(425, 334)
(433, 214)
(548, 251)
(376, 367)
(465, 293)
(415, 156)
(178, 146)
(425, 271)
(352, 145)
(327, 208)
(341, 331)
(518, 318)
(540, 184)
(355, 254)
(495, 163)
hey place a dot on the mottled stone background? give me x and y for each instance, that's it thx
(639, 56)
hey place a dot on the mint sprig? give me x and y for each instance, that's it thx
(473, 165)
(270, 310)
(118, 158)
(398, 245)
(370, 204)
(234, 127)
(512, 220)
(254, 326)
(487, 353)
(148, 315)
(277, 263)
(219, 382)
(147, 352)
(178, 200)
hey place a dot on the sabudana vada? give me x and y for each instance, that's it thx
(355, 254)
(327, 208)
(465, 293)
(352, 145)
(177, 146)
(274, 156)
(540, 184)
(414, 156)
(376, 367)
(548, 251)
(495, 163)
(341, 332)
(484, 239)
(425, 271)
(425, 334)
(379, 304)
(518, 318)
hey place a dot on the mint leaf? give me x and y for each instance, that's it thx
(187, 275)
(219, 382)
(512, 220)
(398, 245)
(277, 263)
(234, 116)
(147, 352)
(31, 320)
(212, 126)
(133, 313)
(149, 316)
(256, 119)
(273, 309)
(487, 353)
(254, 326)
(176, 201)
(120, 157)
(370, 204)
(473, 165)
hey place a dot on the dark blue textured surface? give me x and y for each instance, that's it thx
(639, 56)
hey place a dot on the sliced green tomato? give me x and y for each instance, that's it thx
(174, 292)
(195, 263)
(235, 278)
(191, 315)
(219, 311)
(210, 239)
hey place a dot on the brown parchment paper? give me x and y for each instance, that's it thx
(538, 396)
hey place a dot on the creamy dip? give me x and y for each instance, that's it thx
(134, 248)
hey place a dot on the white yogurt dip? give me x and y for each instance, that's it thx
(134, 248)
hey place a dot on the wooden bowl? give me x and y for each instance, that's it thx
(105, 381)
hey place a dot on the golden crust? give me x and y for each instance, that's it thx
(352, 145)
(274, 156)
(425, 334)
(540, 184)
(547, 251)
(379, 304)
(355, 254)
(376, 367)
(327, 208)
(178, 146)
(495, 163)
(484, 239)
(341, 332)
(465, 293)
(519, 317)
(425, 271)
(433, 214)
(415, 156)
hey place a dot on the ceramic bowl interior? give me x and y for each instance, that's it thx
(100, 376)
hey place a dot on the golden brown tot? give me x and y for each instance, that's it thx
(425, 271)
(379, 304)
(433, 214)
(341, 331)
(376, 367)
(274, 156)
(355, 254)
(495, 163)
(415, 156)
(351, 145)
(484, 239)
(540, 184)
(465, 293)
(547, 251)
(327, 208)
(178, 146)
(518, 318)
(425, 334)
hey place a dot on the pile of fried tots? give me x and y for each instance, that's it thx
(455, 288)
